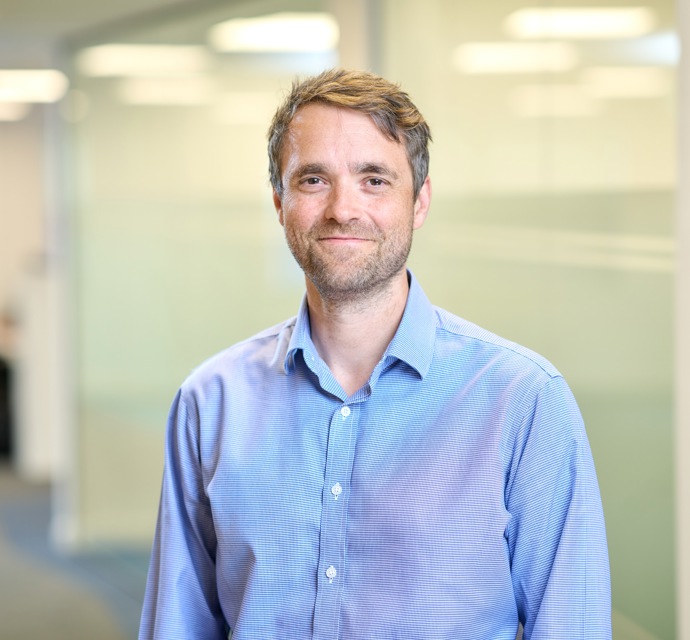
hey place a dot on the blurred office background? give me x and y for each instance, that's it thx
(137, 238)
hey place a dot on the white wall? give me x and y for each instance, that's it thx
(21, 201)
(24, 288)
(28, 282)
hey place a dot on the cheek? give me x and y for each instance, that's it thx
(400, 216)
(295, 225)
(299, 213)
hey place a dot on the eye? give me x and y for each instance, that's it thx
(375, 182)
(311, 182)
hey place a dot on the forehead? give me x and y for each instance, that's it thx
(318, 113)
(326, 129)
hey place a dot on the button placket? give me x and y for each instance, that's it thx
(339, 458)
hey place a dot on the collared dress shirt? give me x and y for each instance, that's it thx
(452, 497)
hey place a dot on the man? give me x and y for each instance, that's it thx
(375, 468)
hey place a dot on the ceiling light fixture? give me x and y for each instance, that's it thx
(142, 60)
(32, 85)
(580, 22)
(283, 32)
(514, 57)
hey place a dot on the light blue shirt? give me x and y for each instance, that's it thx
(451, 497)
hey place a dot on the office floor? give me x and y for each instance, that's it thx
(44, 594)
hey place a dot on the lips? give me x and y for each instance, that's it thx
(345, 238)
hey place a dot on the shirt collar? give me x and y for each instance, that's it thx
(300, 340)
(413, 342)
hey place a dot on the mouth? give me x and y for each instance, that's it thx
(343, 238)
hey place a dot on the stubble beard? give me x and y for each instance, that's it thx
(350, 275)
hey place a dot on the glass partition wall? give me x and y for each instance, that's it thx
(551, 224)
(178, 249)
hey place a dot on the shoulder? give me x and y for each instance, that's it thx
(482, 346)
(265, 351)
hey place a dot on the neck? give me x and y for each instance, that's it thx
(351, 335)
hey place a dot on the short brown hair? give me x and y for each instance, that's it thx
(390, 108)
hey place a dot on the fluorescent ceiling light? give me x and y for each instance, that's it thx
(580, 22)
(296, 32)
(32, 85)
(13, 111)
(142, 60)
(190, 91)
(552, 100)
(514, 57)
(627, 82)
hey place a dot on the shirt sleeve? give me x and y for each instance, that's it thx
(556, 535)
(181, 598)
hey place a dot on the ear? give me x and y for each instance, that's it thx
(421, 204)
(278, 204)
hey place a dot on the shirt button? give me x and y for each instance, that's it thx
(336, 490)
(345, 411)
(331, 573)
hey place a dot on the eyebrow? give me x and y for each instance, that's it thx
(308, 169)
(357, 169)
(373, 167)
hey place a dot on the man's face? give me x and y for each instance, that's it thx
(347, 207)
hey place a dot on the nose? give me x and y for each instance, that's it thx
(343, 203)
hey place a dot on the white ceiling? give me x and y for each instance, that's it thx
(31, 29)
(60, 18)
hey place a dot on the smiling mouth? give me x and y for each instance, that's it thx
(344, 239)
